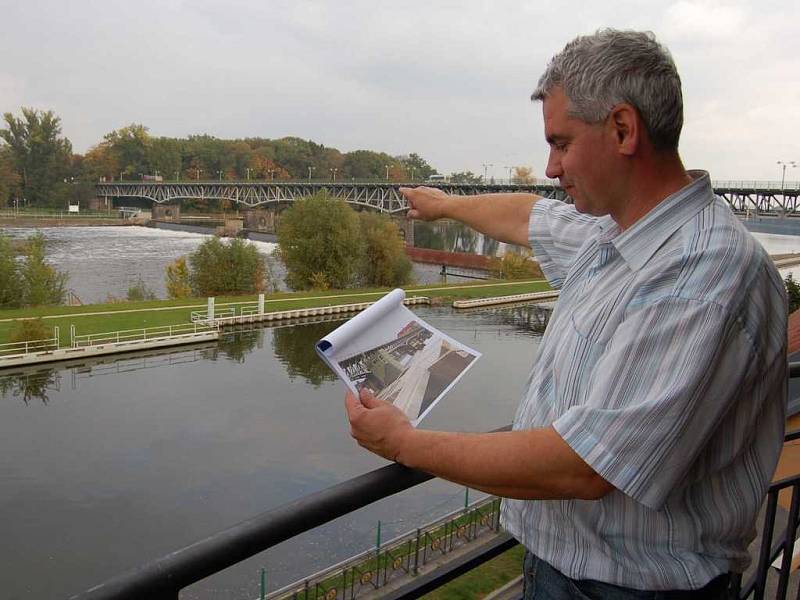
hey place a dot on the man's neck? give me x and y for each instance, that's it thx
(650, 182)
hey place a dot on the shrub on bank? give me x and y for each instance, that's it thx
(30, 282)
(29, 330)
(218, 268)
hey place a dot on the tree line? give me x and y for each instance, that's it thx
(39, 168)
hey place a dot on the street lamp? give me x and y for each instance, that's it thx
(509, 173)
(309, 173)
(387, 172)
(485, 170)
(178, 175)
(220, 175)
(412, 173)
(271, 175)
(197, 173)
(333, 173)
(248, 169)
(785, 164)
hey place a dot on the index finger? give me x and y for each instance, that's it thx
(353, 405)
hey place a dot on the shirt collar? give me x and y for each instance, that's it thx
(640, 241)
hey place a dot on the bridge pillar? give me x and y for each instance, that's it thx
(166, 212)
(406, 227)
(261, 219)
(102, 203)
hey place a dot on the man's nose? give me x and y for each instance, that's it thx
(553, 169)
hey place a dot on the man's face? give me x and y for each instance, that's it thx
(581, 157)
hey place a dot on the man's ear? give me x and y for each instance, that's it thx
(626, 127)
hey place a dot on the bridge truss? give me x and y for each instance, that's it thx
(754, 196)
(383, 197)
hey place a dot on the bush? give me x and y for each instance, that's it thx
(384, 262)
(178, 282)
(30, 282)
(516, 265)
(793, 292)
(29, 330)
(320, 242)
(234, 268)
(139, 291)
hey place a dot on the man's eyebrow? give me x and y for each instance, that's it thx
(555, 138)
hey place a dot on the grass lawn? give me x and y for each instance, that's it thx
(97, 318)
(483, 580)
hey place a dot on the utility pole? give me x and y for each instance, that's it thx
(785, 164)
(485, 171)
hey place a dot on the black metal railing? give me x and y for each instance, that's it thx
(163, 579)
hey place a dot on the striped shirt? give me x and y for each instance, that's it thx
(664, 367)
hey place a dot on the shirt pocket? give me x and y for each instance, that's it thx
(574, 365)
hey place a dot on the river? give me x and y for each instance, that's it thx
(105, 465)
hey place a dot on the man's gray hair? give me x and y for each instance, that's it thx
(599, 71)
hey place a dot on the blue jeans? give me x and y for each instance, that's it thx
(543, 582)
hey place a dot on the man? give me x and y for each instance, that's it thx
(654, 414)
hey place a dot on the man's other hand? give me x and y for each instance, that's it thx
(376, 425)
(426, 203)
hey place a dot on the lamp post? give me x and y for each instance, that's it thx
(387, 172)
(509, 173)
(485, 170)
(309, 173)
(271, 175)
(248, 169)
(178, 175)
(333, 173)
(121, 173)
(784, 164)
(220, 175)
(197, 173)
(412, 173)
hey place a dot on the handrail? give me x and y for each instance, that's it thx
(163, 578)
(166, 576)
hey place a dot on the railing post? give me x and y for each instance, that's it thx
(57, 335)
(416, 553)
(261, 304)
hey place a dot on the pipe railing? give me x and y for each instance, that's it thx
(163, 578)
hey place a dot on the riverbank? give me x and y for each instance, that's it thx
(99, 318)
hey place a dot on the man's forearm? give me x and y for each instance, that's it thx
(535, 464)
(503, 217)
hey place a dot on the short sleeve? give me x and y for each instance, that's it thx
(556, 232)
(666, 378)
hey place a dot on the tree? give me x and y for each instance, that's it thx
(384, 262)
(9, 179)
(523, 176)
(40, 155)
(232, 268)
(466, 177)
(130, 147)
(417, 167)
(320, 242)
(178, 280)
(10, 289)
(41, 284)
(793, 292)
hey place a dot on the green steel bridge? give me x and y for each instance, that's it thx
(743, 196)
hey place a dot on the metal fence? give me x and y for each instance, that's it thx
(26, 347)
(397, 558)
(131, 335)
(163, 579)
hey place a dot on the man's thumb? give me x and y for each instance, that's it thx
(368, 399)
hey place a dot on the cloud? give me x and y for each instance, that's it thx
(704, 20)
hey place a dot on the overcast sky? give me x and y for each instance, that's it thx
(448, 80)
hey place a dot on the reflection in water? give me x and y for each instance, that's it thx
(525, 317)
(29, 385)
(294, 347)
(236, 344)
